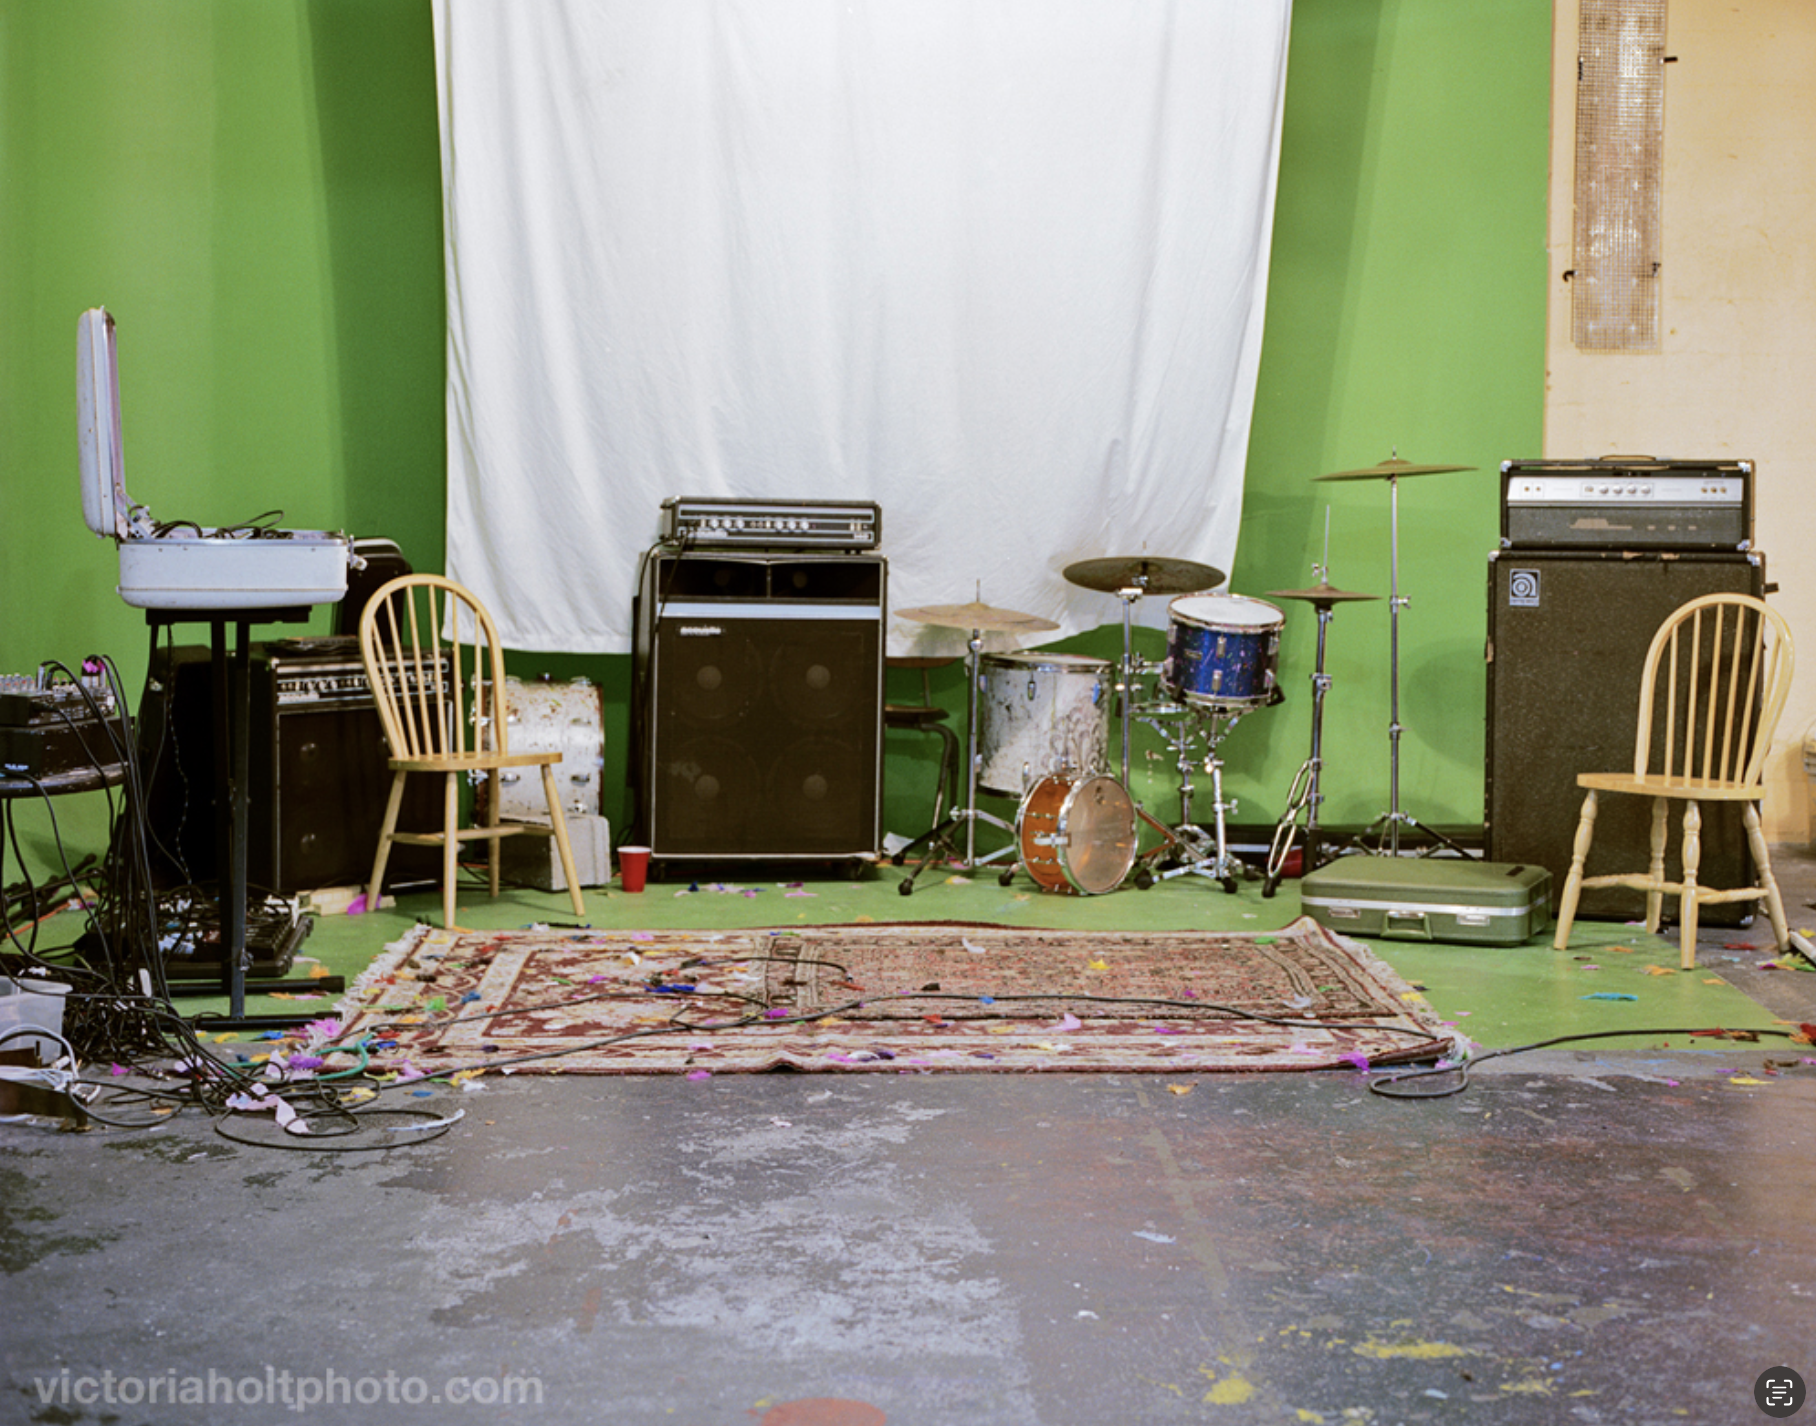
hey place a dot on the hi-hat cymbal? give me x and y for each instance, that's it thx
(1319, 594)
(980, 617)
(1148, 573)
(1391, 470)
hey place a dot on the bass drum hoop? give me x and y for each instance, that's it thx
(1078, 800)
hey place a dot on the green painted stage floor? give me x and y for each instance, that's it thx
(1614, 976)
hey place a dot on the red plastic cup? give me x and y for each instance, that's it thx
(633, 867)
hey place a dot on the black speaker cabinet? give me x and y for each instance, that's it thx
(318, 774)
(760, 706)
(1567, 638)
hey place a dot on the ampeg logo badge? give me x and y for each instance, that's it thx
(698, 631)
(1523, 588)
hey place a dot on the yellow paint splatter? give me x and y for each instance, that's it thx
(1744, 1079)
(1417, 1351)
(1531, 1386)
(1098, 965)
(1231, 1391)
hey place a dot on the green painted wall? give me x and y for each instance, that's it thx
(252, 187)
(1406, 311)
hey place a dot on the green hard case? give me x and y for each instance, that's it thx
(1430, 899)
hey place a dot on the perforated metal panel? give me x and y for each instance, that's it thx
(1620, 122)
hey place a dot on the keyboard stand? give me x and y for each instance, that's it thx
(232, 679)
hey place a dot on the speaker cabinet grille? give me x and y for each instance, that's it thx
(760, 708)
(1567, 640)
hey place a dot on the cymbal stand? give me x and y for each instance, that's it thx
(939, 841)
(1304, 796)
(1188, 848)
(1130, 595)
(1394, 818)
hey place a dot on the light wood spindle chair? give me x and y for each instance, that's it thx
(1716, 677)
(436, 669)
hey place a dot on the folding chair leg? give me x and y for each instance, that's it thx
(1689, 907)
(494, 815)
(383, 855)
(1655, 869)
(450, 847)
(558, 822)
(1762, 859)
(1573, 880)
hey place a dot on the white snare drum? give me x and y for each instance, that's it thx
(1222, 650)
(1077, 836)
(568, 718)
(1041, 713)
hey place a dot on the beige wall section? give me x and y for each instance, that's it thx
(1736, 376)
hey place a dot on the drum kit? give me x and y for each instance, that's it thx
(1037, 726)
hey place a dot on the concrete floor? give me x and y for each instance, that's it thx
(1607, 1233)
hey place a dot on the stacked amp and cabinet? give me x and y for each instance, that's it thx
(319, 770)
(1595, 554)
(758, 700)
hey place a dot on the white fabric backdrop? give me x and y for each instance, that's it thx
(998, 265)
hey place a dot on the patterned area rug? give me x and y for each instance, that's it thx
(885, 997)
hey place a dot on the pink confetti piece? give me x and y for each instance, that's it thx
(1068, 1021)
(700, 1074)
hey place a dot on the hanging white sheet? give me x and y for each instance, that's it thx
(997, 265)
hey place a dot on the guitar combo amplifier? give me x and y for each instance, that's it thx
(1595, 556)
(319, 771)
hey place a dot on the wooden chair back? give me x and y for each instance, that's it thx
(1717, 675)
(436, 668)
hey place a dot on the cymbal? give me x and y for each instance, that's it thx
(1151, 574)
(1391, 470)
(1319, 594)
(978, 616)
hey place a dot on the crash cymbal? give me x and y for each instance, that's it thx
(1319, 594)
(980, 617)
(1391, 470)
(1151, 574)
